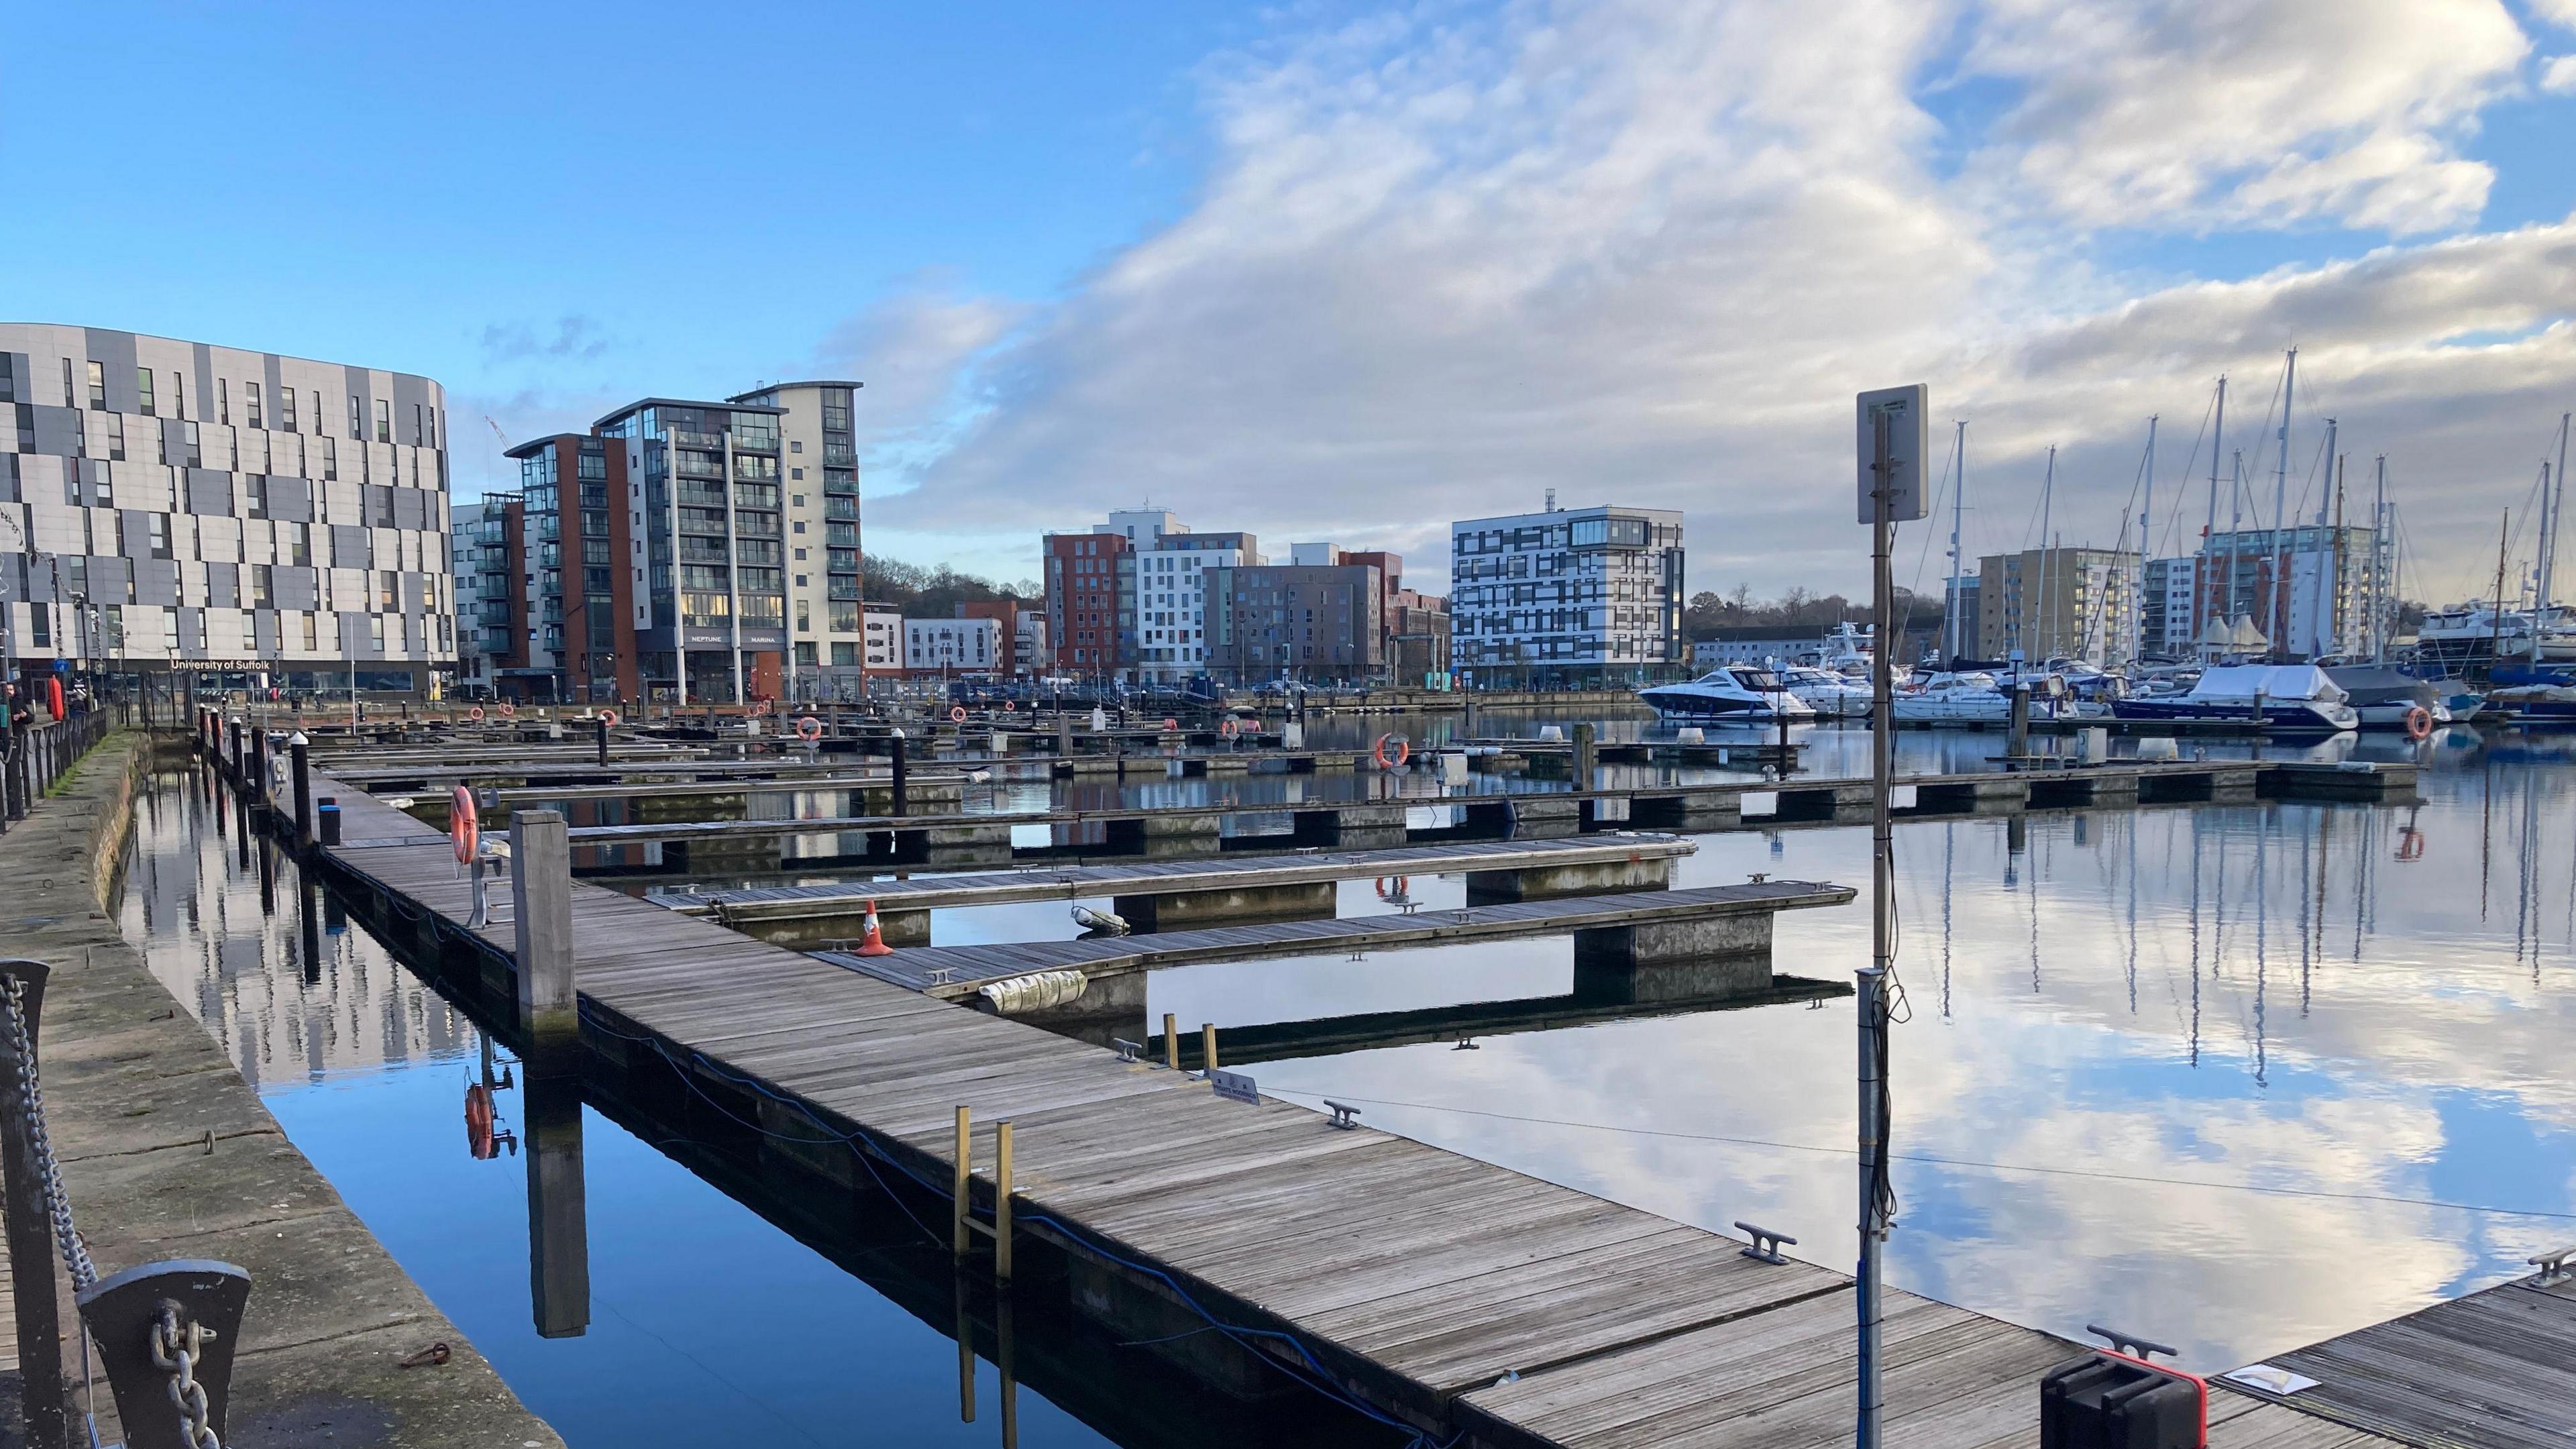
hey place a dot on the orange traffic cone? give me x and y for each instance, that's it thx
(874, 944)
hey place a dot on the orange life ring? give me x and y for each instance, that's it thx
(1010, 706)
(1401, 883)
(462, 827)
(1403, 751)
(476, 713)
(957, 714)
(809, 728)
(478, 1123)
(1228, 728)
(765, 707)
(608, 717)
(2419, 722)
(2410, 844)
(508, 709)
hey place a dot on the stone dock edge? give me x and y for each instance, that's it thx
(135, 1089)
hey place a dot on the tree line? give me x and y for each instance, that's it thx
(1738, 608)
(935, 592)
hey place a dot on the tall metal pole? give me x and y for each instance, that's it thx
(1871, 980)
(2329, 549)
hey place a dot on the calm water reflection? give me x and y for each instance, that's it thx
(706, 1323)
(2235, 1078)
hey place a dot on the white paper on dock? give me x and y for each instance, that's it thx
(2270, 1378)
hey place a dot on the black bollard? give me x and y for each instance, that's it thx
(603, 741)
(898, 771)
(297, 748)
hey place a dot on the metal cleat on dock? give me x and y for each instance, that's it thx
(1345, 1116)
(2553, 1266)
(1766, 1243)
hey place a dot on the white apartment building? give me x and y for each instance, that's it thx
(951, 646)
(1585, 594)
(1171, 596)
(821, 483)
(169, 504)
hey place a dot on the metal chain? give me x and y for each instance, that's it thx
(58, 1203)
(174, 1352)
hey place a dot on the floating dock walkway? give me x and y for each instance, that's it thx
(1638, 931)
(1445, 1292)
(1155, 894)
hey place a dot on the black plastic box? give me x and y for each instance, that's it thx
(2110, 1402)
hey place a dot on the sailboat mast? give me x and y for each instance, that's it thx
(2278, 601)
(2208, 532)
(2495, 641)
(2329, 551)
(2379, 565)
(2235, 530)
(1958, 561)
(2146, 548)
(2047, 491)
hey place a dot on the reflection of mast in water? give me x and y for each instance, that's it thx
(2034, 928)
(2132, 834)
(1949, 829)
(2195, 938)
(2486, 824)
(2262, 930)
(2527, 865)
(2311, 950)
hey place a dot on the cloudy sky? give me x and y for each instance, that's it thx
(1349, 271)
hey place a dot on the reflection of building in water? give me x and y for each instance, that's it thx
(194, 906)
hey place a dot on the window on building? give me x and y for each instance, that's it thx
(388, 590)
(357, 417)
(143, 391)
(376, 631)
(419, 425)
(116, 437)
(67, 384)
(384, 421)
(331, 460)
(312, 629)
(159, 525)
(224, 401)
(97, 386)
(250, 404)
(40, 625)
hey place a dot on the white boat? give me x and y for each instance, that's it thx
(1945, 698)
(1736, 692)
(1974, 697)
(1847, 650)
(1828, 693)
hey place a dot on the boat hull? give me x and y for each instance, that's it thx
(2292, 718)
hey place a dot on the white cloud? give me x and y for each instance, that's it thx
(1644, 252)
(2558, 74)
(2189, 112)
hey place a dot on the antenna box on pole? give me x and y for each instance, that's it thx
(1908, 411)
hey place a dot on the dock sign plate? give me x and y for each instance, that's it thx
(1908, 438)
(1235, 1085)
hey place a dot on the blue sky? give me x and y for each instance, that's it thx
(1349, 270)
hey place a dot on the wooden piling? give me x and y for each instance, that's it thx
(1171, 1041)
(1207, 1045)
(964, 1178)
(541, 884)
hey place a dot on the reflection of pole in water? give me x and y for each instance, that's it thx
(2016, 840)
(2528, 864)
(305, 907)
(558, 1218)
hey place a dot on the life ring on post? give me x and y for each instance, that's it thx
(608, 717)
(462, 827)
(956, 714)
(1010, 706)
(508, 709)
(1227, 727)
(2419, 722)
(2410, 844)
(475, 713)
(809, 729)
(1403, 751)
(1401, 892)
(1170, 724)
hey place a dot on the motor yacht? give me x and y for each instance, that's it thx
(2292, 698)
(1735, 692)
